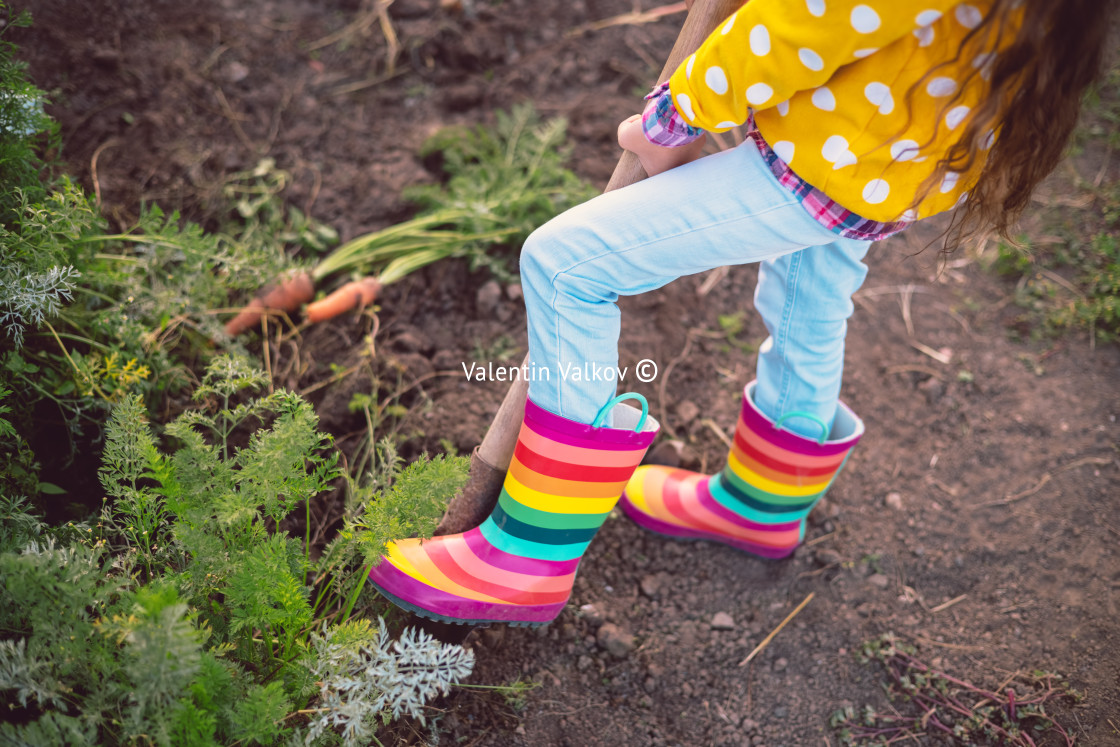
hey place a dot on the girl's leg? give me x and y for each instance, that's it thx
(720, 210)
(805, 299)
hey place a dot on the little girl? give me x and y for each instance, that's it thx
(864, 116)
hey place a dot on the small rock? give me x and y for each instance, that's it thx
(687, 411)
(826, 556)
(666, 453)
(878, 579)
(591, 614)
(514, 292)
(934, 390)
(615, 641)
(722, 621)
(488, 297)
(893, 500)
(650, 586)
(411, 342)
(583, 663)
(780, 665)
(236, 72)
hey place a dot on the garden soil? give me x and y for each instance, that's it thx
(977, 520)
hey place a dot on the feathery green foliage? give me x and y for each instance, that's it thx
(187, 618)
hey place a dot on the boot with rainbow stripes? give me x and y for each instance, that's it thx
(518, 567)
(759, 502)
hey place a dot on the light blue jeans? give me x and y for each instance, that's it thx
(724, 209)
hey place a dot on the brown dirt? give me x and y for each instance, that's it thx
(990, 481)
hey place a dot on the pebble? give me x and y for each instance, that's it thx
(878, 579)
(780, 665)
(687, 411)
(488, 297)
(893, 500)
(722, 621)
(615, 641)
(591, 614)
(650, 585)
(515, 292)
(825, 556)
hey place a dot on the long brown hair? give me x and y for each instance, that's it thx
(1036, 86)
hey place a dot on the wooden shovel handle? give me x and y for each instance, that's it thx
(702, 19)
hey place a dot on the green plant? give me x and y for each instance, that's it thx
(502, 182)
(22, 123)
(942, 704)
(186, 616)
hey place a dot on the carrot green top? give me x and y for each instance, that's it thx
(860, 99)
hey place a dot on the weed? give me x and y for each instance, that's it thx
(946, 705)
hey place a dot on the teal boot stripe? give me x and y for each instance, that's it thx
(761, 500)
(527, 549)
(536, 517)
(733, 503)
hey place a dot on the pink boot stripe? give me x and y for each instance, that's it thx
(573, 454)
(461, 552)
(530, 566)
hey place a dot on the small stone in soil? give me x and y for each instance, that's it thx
(780, 665)
(591, 614)
(826, 556)
(878, 579)
(687, 411)
(615, 641)
(893, 500)
(650, 586)
(722, 621)
(488, 297)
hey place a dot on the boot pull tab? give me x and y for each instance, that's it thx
(605, 410)
(807, 416)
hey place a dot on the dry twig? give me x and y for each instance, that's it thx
(774, 632)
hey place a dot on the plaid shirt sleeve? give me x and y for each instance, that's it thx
(662, 124)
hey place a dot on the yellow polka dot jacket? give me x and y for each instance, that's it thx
(860, 99)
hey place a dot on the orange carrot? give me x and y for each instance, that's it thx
(287, 295)
(353, 295)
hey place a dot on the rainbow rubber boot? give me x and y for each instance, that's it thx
(518, 567)
(759, 502)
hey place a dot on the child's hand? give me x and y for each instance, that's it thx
(655, 158)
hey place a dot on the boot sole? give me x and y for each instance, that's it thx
(436, 597)
(645, 521)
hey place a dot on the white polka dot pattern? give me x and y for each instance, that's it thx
(879, 94)
(760, 40)
(955, 116)
(810, 59)
(823, 99)
(927, 17)
(904, 150)
(968, 16)
(875, 191)
(759, 94)
(864, 19)
(716, 79)
(828, 84)
(837, 152)
(941, 86)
